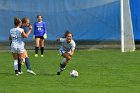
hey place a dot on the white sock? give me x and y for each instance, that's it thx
(59, 70)
(63, 61)
(15, 64)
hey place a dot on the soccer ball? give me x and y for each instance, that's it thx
(74, 73)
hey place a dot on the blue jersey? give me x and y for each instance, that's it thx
(39, 28)
(24, 28)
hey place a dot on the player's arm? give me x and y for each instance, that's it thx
(10, 38)
(72, 49)
(25, 35)
(61, 39)
(30, 27)
(45, 31)
(58, 39)
(72, 53)
(44, 27)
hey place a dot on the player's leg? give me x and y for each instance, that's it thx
(37, 40)
(42, 46)
(67, 57)
(27, 62)
(15, 57)
(19, 66)
(64, 61)
(22, 57)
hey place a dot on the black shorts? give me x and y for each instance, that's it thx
(41, 37)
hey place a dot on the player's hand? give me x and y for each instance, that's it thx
(45, 36)
(58, 40)
(30, 27)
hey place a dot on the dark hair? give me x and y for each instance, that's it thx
(24, 20)
(66, 33)
(17, 21)
(39, 15)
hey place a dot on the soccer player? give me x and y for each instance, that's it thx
(66, 50)
(25, 25)
(17, 45)
(40, 33)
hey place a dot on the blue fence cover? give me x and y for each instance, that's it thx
(135, 12)
(86, 19)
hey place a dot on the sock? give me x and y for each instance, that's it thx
(16, 71)
(42, 50)
(63, 61)
(36, 50)
(27, 62)
(62, 65)
(19, 65)
(16, 64)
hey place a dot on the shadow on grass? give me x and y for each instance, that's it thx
(46, 74)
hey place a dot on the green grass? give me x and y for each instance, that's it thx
(100, 71)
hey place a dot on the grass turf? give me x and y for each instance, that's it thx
(100, 71)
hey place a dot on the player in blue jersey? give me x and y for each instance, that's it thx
(26, 25)
(40, 33)
(66, 50)
(17, 44)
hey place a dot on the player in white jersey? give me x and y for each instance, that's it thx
(66, 50)
(17, 45)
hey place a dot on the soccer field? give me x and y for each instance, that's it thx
(100, 71)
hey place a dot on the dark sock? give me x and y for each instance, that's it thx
(27, 62)
(62, 65)
(19, 65)
(16, 71)
(36, 50)
(42, 50)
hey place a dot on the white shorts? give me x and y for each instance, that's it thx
(17, 48)
(61, 51)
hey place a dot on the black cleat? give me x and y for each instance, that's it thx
(58, 73)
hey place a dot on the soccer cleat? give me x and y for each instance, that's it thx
(62, 69)
(31, 72)
(20, 73)
(16, 74)
(36, 55)
(42, 55)
(58, 73)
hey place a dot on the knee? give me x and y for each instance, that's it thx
(68, 58)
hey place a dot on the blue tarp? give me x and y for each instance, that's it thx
(86, 19)
(135, 12)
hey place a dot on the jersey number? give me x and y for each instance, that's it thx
(39, 28)
(15, 38)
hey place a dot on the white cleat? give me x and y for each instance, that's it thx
(20, 73)
(36, 55)
(31, 72)
(62, 69)
(16, 74)
(42, 55)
